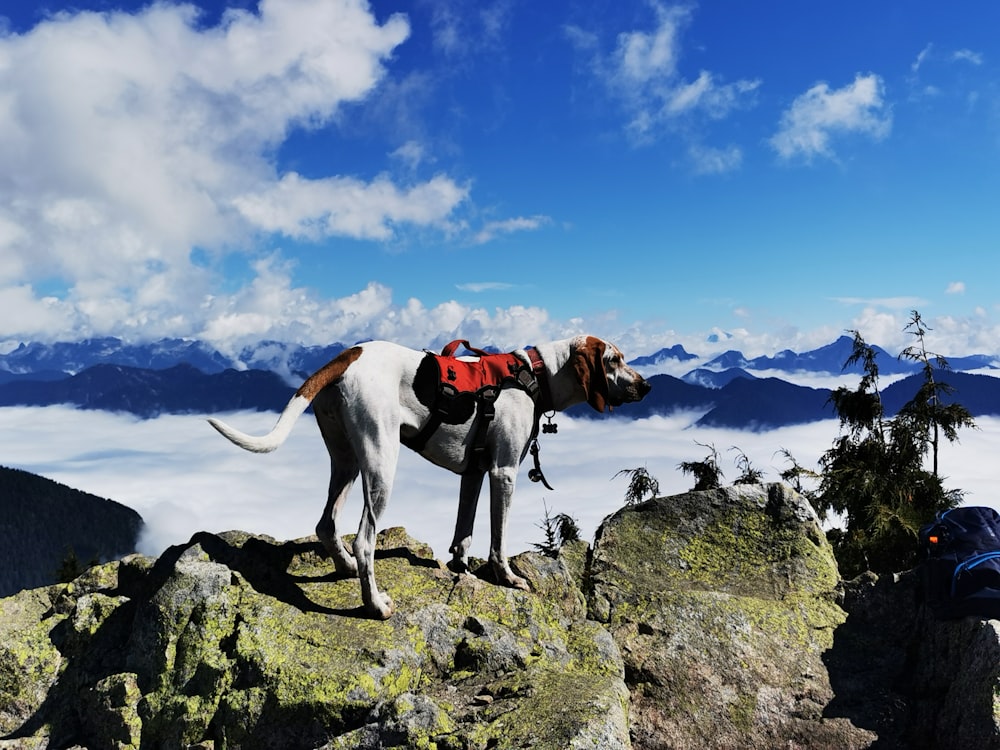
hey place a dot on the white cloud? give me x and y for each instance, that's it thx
(491, 230)
(708, 160)
(271, 307)
(22, 310)
(485, 286)
(956, 287)
(921, 58)
(967, 55)
(647, 56)
(808, 127)
(459, 30)
(642, 72)
(412, 154)
(892, 303)
(344, 206)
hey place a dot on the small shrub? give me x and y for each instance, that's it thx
(558, 529)
(641, 484)
(707, 473)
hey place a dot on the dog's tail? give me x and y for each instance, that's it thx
(278, 434)
(331, 372)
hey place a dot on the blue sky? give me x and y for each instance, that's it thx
(723, 175)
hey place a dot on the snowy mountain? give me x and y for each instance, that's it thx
(183, 376)
(73, 357)
(675, 353)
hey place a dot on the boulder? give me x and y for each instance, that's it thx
(916, 681)
(236, 641)
(723, 604)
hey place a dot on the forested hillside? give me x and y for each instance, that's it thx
(42, 522)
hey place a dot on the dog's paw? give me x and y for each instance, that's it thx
(382, 608)
(516, 582)
(509, 579)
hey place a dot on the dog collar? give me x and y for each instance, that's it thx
(544, 403)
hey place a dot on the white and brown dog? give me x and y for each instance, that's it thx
(365, 403)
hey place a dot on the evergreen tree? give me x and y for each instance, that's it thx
(794, 474)
(874, 475)
(927, 415)
(558, 529)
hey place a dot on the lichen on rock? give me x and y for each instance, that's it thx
(236, 640)
(705, 620)
(722, 603)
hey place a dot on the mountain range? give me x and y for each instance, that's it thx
(183, 376)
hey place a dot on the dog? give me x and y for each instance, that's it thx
(365, 402)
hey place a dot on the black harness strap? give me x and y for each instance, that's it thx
(486, 398)
(419, 441)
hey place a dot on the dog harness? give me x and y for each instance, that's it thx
(454, 389)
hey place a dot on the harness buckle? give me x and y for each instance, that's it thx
(526, 379)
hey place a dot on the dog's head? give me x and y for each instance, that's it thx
(606, 379)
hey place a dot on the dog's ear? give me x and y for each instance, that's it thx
(588, 363)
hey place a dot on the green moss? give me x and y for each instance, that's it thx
(98, 578)
(92, 610)
(29, 662)
(546, 708)
(741, 712)
(745, 551)
(112, 716)
(219, 652)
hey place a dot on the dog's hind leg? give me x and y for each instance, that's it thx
(343, 472)
(342, 476)
(502, 481)
(468, 499)
(378, 468)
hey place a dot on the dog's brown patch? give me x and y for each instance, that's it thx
(588, 362)
(331, 372)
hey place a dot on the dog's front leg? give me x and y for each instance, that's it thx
(502, 480)
(468, 499)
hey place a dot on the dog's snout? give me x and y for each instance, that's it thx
(638, 388)
(643, 387)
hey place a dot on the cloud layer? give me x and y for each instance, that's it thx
(182, 477)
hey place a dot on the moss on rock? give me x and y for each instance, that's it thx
(723, 604)
(29, 661)
(235, 640)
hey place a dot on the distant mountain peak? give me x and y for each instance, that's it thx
(675, 353)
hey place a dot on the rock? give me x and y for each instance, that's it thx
(916, 681)
(240, 641)
(706, 620)
(722, 604)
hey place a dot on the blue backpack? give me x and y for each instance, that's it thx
(962, 565)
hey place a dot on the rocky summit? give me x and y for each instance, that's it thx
(706, 620)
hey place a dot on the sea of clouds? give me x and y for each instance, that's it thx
(182, 477)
